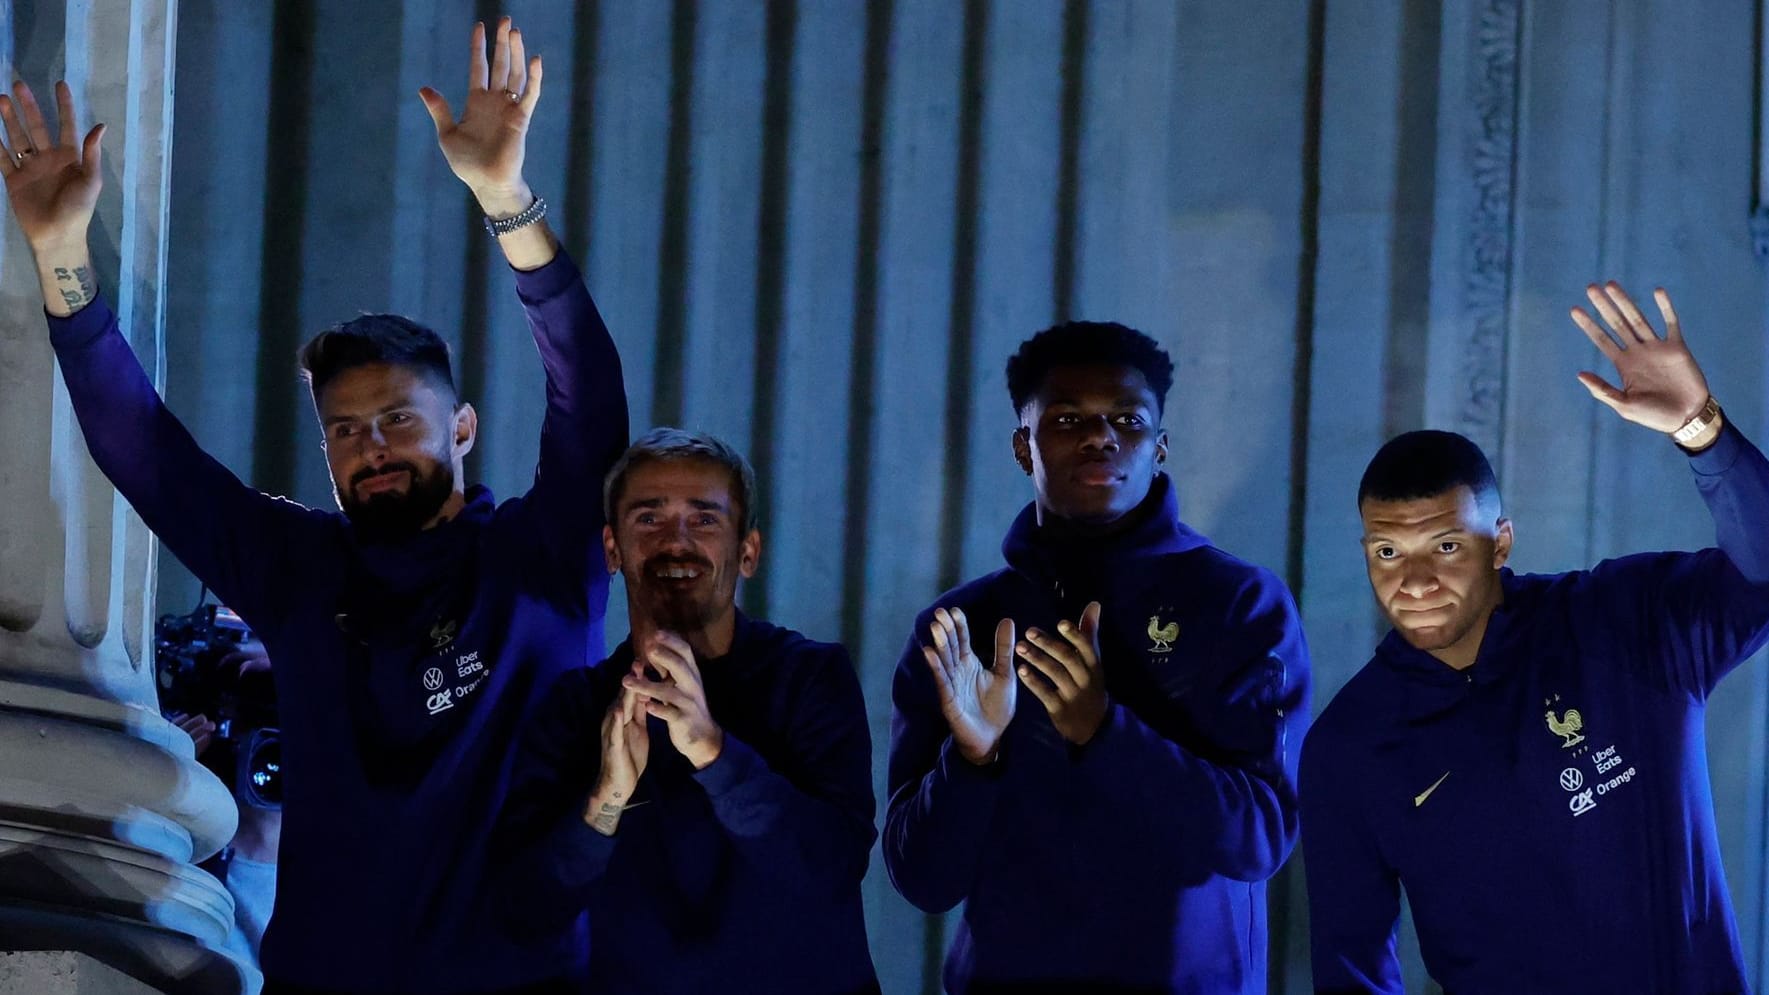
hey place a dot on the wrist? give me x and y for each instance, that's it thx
(60, 248)
(1701, 430)
(980, 758)
(706, 751)
(501, 202)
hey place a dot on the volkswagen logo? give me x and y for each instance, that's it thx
(1571, 779)
(433, 680)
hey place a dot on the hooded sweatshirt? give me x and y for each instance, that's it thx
(743, 876)
(1547, 810)
(1135, 862)
(403, 666)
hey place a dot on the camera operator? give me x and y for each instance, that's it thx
(247, 865)
(413, 631)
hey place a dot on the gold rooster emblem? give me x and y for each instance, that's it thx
(1567, 727)
(1162, 635)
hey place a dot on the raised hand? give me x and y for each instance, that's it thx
(1662, 386)
(485, 147)
(53, 185)
(976, 701)
(1072, 685)
(679, 699)
(626, 746)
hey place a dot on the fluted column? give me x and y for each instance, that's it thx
(103, 806)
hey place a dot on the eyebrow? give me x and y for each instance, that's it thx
(405, 402)
(1122, 401)
(699, 504)
(1378, 537)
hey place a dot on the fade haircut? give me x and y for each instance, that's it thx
(375, 338)
(1425, 464)
(675, 445)
(1087, 343)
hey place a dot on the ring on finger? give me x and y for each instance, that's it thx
(513, 95)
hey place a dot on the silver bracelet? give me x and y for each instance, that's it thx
(527, 216)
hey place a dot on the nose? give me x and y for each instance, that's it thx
(1417, 579)
(1097, 435)
(675, 535)
(372, 444)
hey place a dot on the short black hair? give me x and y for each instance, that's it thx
(673, 445)
(1427, 463)
(1087, 343)
(375, 338)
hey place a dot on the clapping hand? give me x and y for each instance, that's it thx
(678, 697)
(1064, 672)
(976, 701)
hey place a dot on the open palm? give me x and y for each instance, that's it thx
(1662, 385)
(485, 147)
(976, 701)
(53, 186)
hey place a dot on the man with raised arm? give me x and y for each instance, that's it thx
(702, 800)
(412, 631)
(1113, 833)
(1525, 754)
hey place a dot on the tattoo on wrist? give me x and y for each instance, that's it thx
(605, 819)
(76, 286)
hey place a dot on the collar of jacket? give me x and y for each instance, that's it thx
(1048, 556)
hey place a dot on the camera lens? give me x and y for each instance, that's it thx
(261, 769)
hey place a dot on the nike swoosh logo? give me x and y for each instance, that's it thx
(1419, 799)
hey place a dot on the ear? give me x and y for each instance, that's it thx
(610, 551)
(1502, 543)
(749, 553)
(466, 429)
(1161, 448)
(1022, 449)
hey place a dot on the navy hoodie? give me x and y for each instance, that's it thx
(744, 876)
(1135, 862)
(403, 667)
(1547, 810)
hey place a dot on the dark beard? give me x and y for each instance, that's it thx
(393, 516)
(672, 608)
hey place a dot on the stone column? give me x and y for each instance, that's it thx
(103, 806)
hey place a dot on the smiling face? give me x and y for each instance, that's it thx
(1090, 438)
(677, 539)
(1434, 567)
(394, 443)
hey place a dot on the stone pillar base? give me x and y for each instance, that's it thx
(63, 972)
(77, 950)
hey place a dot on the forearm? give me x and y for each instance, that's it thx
(1733, 477)
(936, 828)
(548, 881)
(529, 247)
(65, 270)
(812, 842)
(1246, 823)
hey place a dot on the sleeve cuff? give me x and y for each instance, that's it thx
(953, 767)
(81, 328)
(537, 286)
(582, 850)
(1719, 457)
(1110, 730)
(735, 763)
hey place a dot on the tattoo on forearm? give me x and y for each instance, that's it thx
(606, 818)
(76, 286)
